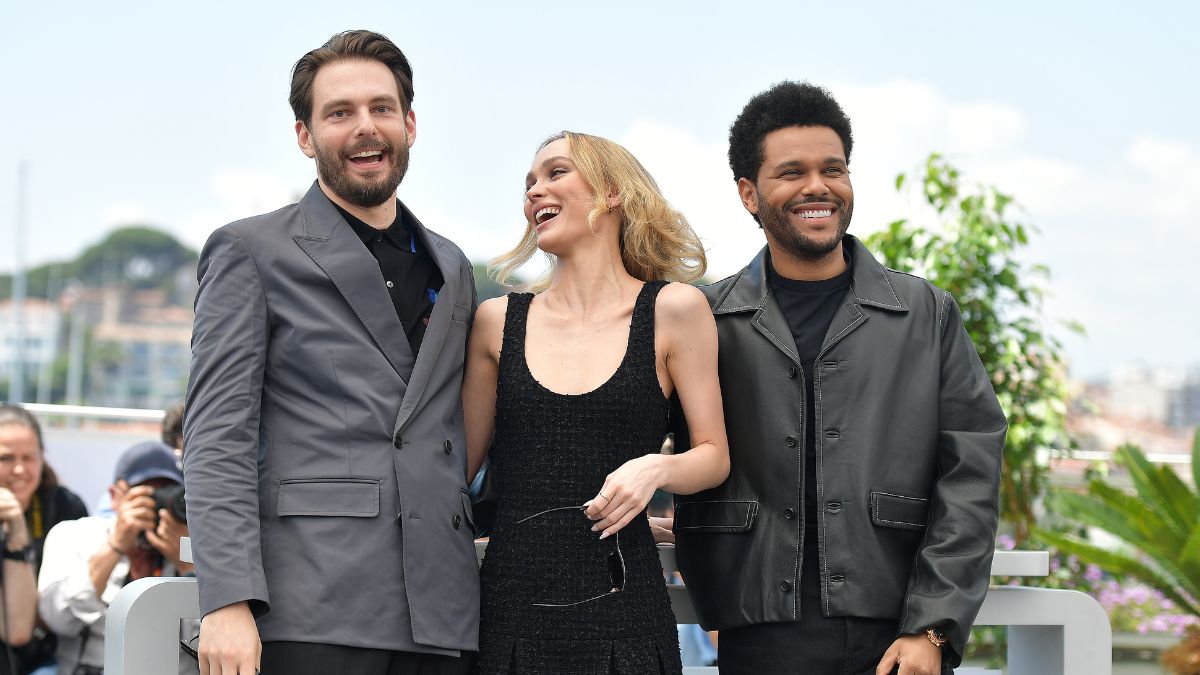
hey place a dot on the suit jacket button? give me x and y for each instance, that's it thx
(456, 521)
(448, 447)
(792, 373)
(785, 586)
(397, 441)
(399, 518)
(790, 441)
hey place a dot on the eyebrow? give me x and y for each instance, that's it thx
(547, 162)
(830, 160)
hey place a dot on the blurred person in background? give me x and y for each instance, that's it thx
(29, 482)
(89, 560)
(172, 428)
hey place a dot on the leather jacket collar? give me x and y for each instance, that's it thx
(869, 283)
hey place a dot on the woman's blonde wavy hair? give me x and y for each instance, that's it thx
(656, 240)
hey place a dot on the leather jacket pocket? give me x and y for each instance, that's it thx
(899, 511)
(715, 516)
(346, 497)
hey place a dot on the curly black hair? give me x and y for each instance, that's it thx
(785, 104)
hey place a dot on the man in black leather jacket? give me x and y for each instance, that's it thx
(855, 532)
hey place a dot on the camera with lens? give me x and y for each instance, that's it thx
(171, 498)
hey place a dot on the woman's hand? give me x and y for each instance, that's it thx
(12, 516)
(625, 493)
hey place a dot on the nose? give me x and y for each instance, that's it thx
(366, 124)
(535, 191)
(814, 184)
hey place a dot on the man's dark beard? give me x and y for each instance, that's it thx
(337, 177)
(797, 244)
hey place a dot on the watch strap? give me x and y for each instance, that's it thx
(20, 555)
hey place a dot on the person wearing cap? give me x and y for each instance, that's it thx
(87, 561)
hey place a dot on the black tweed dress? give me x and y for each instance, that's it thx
(554, 450)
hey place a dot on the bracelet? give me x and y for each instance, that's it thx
(936, 636)
(114, 547)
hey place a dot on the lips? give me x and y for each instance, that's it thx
(368, 155)
(813, 211)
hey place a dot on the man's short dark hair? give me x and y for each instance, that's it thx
(351, 44)
(786, 104)
(172, 426)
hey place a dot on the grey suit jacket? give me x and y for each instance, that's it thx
(324, 467)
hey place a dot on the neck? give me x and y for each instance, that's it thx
(379, 217)
(789, 266)
(591, 275)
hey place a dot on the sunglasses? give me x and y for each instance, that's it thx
(616, 562)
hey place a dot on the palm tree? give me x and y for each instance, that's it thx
(1161, 523)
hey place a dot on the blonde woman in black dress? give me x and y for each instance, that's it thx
(573, 382)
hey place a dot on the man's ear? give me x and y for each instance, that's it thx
(304, 140)
(410, 126)
(748, 192)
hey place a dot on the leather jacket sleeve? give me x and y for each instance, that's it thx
(952, 567)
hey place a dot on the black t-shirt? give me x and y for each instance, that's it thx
(809, 307)
(413, 280)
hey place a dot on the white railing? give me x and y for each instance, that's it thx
(1051, 631)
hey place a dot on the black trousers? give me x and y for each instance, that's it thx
(304, 658)
(814, 645)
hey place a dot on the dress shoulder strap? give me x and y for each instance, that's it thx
(515, 319)
(641, 326)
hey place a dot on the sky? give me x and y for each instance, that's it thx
(177, 117)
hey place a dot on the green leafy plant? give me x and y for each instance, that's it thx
(974, 252)
(1161, 523)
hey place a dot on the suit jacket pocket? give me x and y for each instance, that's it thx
(347, 497)
(715, 516)
(899, 511)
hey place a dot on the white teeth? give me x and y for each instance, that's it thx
(368, 153)
(823, 213)
(548, 212)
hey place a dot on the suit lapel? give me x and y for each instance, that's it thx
(337, 250)
(439, 320)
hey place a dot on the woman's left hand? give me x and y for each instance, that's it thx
(625, 493)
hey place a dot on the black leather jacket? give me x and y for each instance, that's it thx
(909, 442)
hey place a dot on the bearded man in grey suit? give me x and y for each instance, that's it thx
(330, 520)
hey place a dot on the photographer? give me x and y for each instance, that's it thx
(87, 561)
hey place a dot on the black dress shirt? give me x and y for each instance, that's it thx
(413, 280)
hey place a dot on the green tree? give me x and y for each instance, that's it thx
(973, 251)
(136, 256)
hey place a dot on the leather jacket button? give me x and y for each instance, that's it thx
(789, 513)
(399, 519)
(456, 521)
(790, 441)
(833, 507)
(785, 586)
(397, 441)
(831, 433)
(448, 447)
(837, 578)
(792, 373)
